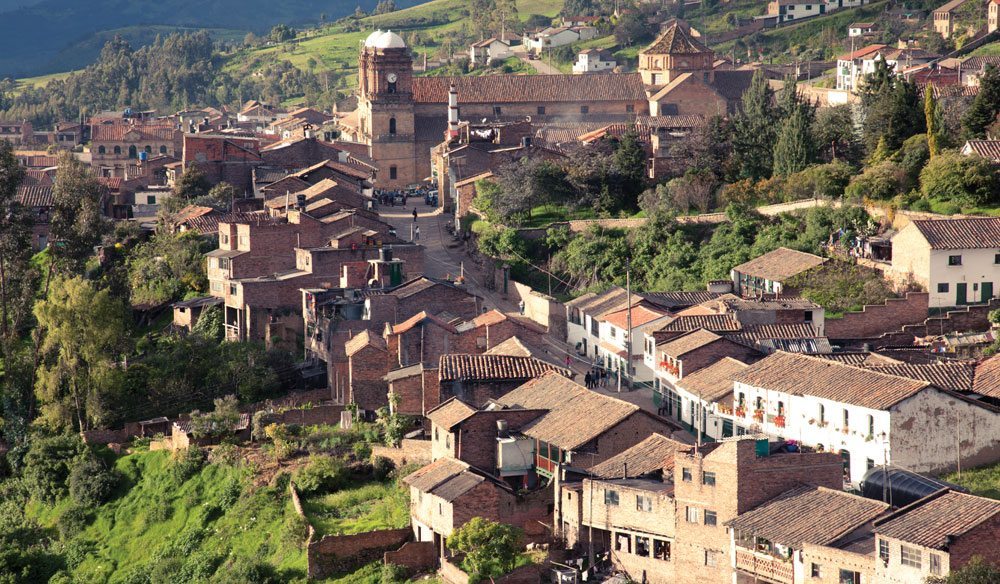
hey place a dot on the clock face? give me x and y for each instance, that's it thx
(391, 77)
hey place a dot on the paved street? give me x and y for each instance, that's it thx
(444, 258)
(540, 65)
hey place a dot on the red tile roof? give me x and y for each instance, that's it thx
(676, 39)
(966, 233)
(655, 453)
(117, 132)
(780, 264)
(936, 519)
(988, 149)
(641, 315)
(862, 52)
(500, 89)
(488, 367)
(35, 196)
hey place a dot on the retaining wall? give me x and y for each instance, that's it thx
(339, 553)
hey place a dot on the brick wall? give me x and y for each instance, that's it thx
(415, 556)
(979, 541)
(831, 560)
(876, 319)
(969, 318)
(545, 310)
(410, 451)
(623, 436)
(710, 354)
(452, 574)
(368, 389)
(475, 438)
(338, 553)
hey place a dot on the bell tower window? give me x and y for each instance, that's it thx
(392, 87)
(392, 126)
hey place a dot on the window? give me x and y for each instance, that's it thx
(243, 241)
(612, 332)
(955, 260)
(942, 287)
(497, 110)
(661, 549)
(163, 149)
(148, 149)
(118, 150)
(392, 126)
(541, 112)
(611, 498)
(642, 546)
(710, 558)
(224, 239)
(849, 577)
(935, 564)
(686, 475)
(691, 514)
(869, 464)
(584, 109)
(629, 108)
(437, 435)
(847, 419)
(996, 258)
(909, 556)
(883, 550)
(232, 289)
(808, 316)
(150, 199)
(447, 440)
(871, 425)
(644, 504)
(705, 77)
(392, 87)
(708, 478)
(132, 152)
(103, 150)
(392, 173)
(815, 571)
(216, 286)
(711, 518)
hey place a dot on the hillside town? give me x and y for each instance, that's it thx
(619, 294)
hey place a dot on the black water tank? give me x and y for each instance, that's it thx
(385, 254)
(904, 487)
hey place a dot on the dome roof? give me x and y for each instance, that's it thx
(385, 40)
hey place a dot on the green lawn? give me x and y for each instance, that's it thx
(367, 507)
(983, 481)
(987, 50)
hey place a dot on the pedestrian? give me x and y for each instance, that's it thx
(568, 361)
(416, 234)
(404, 199)
(587, 380)
(520, 306)
(414, 214)
(604, 377)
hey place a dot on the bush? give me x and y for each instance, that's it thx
(47, 466)
(91, 482)
(187, 463)
(72, 521)
(962, 179)
(295, 532)
(362, 451)
(393, 574)
(490, 548)
(323, 473)
(382, 468)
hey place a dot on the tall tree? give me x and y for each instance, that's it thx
(83, 328)
(890, 107)
(986, 106)
(16, 273)
(77, 224)
(755, 130)
(931, 121)
(794, 149)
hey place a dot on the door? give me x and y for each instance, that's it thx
(727, 428)
(961, 290)
(987, 289)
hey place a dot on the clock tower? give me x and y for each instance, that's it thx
(385, 109)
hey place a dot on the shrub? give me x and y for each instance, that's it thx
(362, 451)
(72, 521)
(295, 531)
(490, 548)
(91, 482)
(187, 463)
(393, 574)
(47, 466)
(382, 467)
(963, 179)
(323, 473)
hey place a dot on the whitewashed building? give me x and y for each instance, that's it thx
(594, 61)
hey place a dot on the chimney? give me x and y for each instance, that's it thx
(452, 112)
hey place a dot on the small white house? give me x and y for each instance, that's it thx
(849, 67)
(594, 61)
(613, 344)
(870, 418)
(706, 399)
(552, 37)
(491, 49)
(787, 10)
(956, 260)
(859, 29)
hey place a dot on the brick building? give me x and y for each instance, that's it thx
(223, 158)
(40, 201)
(117, 143)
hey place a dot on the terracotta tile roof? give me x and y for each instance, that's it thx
(953, 376)
(946, 91)
(616, 130)
(688, 342)
(779, 303)
(39, 161)
(576, 415)
(484, 367)
(934, 520)
(860, 53)
(33, 177)
(988, 149)
(860, 358)
(513, 346)
(490, 318)
(808, 514)
(190, 212)
(967, 233)
(676, 39)
(364, 339)
(669, 122)
(713, 382)
(711, 322)
(679, 299)
(451, 413)
(416, 319)
(641, 315)
(805, 375)
(422, 284)
(447, 478)
(655, 453)
(500, 89)
(987, 378)
(949, 6)
(118, 132)
(780, 264)
(768, 332)
(35, 196)
(732, 84)
(980, 61)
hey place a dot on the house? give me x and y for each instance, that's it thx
(849, 66)
(187, 312)
(944, 18)
(260, 114)
(117, 143)
(40, 201)
(17, 133)
(557, 36)
(936, 535)
(704, 399)
(768, 273)
(223, 158)
(580, 20)
(956, 260)
(690, 352)
(660, 509)
(972, 68)
(480, 378)
(870, 418)
(771, 541)
(488, 50)
(618, 345)
(787, 10)
(988, 149)
(594, 61)
(992, 16)
(860, 29)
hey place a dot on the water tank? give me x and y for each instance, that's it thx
(300, 202)
(385, 254)
(143, 156)
(900, 487)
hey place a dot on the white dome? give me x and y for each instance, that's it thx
(388, 40)
(370, 41)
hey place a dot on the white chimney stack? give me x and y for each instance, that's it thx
(452, 112)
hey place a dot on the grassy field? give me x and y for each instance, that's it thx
(367, 507)
(983, 481)
(156, 524)
(987, 50)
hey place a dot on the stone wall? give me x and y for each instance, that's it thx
(321, 414)
(409, 452)
(338, 553)
(876, 319)
(544, 310)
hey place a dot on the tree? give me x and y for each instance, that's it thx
(91, 482)
(282, 33)
(210, 324)
(985, 106)
(17, 277)
(324, 473)
(969, 180)
(890, 108)
(220, 421)
(931, 120)
(84, 331)
(629, 160)
(976, 571)
(191, 185)
(632, 29)
(385, 7)
(76, 225)
(47, 466)
(167, 267)
(754, 130)
(794, 150)
(490, 548)
(880, 182)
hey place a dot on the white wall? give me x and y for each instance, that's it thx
(977, 267)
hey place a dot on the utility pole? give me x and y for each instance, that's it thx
(628, 330)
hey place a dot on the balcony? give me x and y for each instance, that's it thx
(764, 566)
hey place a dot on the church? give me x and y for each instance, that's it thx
(402, 117)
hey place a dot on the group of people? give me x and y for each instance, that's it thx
(596, 377)
(390, 197)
